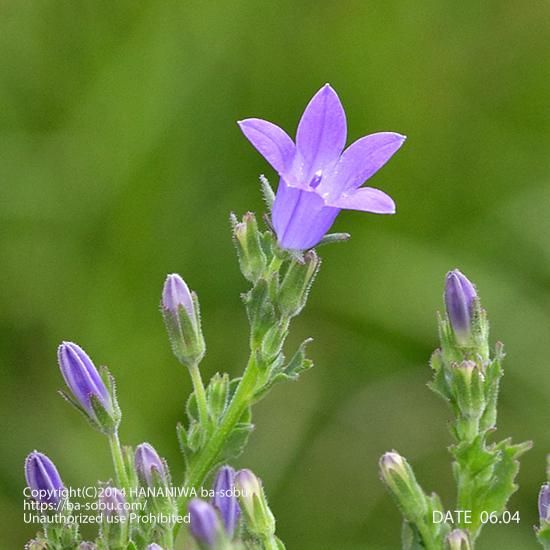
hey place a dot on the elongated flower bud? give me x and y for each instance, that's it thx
(88, 391)
(150, 468)
(204, 522)
(297, 283)
(460, 295)
(225, 500)
(400, 480)
(43, 479)
(247, 238)
(180, 309)
(544, 503)
(259, 518)
(458, 540)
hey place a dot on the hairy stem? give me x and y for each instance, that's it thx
(200, 394)
(209, 454)
(118, 461)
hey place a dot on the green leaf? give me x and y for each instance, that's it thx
(236, 442)
(501, 486)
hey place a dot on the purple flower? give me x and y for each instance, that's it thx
(82, 378)
(319, 178)
(149, 466)
(176, 294)
(225, 500)
(154, 546)
(204, 524)
(544, 503)
(459, 302)
(43, 479)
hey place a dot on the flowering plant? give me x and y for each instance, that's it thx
(467, 377)
(139, 507)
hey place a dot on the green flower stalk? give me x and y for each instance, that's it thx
(467, 377)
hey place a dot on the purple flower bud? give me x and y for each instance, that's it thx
(204, 525)
(259, 518)
(460, 294)
(544, 503)
(82, 378)
(225, 500)
(154, 546)
(392, 461)
(182, 319)
(149, 466)
(176, 294)
(43, 479)
(247, 482)
(112, 503)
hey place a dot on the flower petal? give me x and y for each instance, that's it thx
(367, 199)
(321, 133)
(300, 218)
(271, 141)
(359, 162)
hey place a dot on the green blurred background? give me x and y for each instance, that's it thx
(120, 161)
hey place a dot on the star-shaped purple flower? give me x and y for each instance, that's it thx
(319, 178)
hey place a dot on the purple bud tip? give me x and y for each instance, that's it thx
(154, 546)
(204, 522)
(81, 377)
(149, 464)
(43, 479)
(460, 294)
(248, 483)
(392, 461)
(112, 503)
(225, 500)
(544, 502)
(176, 294)
(458, 540)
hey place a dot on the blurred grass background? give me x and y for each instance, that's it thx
(120, 160)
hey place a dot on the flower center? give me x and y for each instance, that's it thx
(316, 180)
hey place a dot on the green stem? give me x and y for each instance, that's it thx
(208, 455)
(118, 461)
(465, 502)
(167, 539)
(200, 395)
